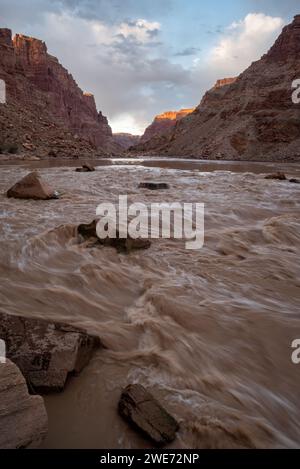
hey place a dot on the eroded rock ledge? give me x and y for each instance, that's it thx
(46, 352)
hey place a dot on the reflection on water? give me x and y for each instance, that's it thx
(209, 331)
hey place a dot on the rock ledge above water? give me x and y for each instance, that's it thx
(46, 352)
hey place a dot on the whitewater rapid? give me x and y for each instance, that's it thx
(209, 332)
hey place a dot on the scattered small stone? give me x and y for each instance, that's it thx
(23, 418)
(86, 168)
(141, 410)
(46, 352)
(128, 244)
(279, 176)
(154, 185)
(31, 187)
(295, 181)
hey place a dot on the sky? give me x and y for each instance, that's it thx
(143, 57)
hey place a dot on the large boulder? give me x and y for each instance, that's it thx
(23, 418)
(140, 409)
(32, 187)
(128, 244)
(46, 352)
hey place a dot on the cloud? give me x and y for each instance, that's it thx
(188, 51)
(141, 30)
(242, 43)
(245, 41)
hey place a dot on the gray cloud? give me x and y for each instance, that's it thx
(188, 51)
(117, 10)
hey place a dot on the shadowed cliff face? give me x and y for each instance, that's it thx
(163, 123)
(250, 118)
(38, 84)
(125, 140)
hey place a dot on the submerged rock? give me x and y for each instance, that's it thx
(32, 187)
(279, 176)
(86, 168)
(153, 185)
(127, 244)
(46, 352)
(140, 409)
(295, 181)
(23, 418)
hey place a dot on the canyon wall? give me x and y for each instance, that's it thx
(250, 118)
(126, 140)
(163, 123)
(45, 107)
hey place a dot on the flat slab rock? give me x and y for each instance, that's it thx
(46, 352)
(23, 418)
(153, 185)
(32, 186)
(140, 409)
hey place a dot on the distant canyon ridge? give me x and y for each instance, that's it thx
(249, 117)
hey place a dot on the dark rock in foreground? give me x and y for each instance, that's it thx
(139, 408)
(86, 168)
(46, 352)
(32, 187)
(154, 185)
(23, 418)
(279, 176)
(295, 181)
(128, 244)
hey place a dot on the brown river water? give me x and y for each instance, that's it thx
(209, 332)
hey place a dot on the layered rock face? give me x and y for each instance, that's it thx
(251, 118)
(45, 107)
(163, 123)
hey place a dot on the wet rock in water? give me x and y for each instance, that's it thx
(31, 187)
(140, 409)
(46, 352)
(279, 176)
(23, 418)
(86, 168)
(295, 181)
(153, 185)
(88, 230)
(128, 244)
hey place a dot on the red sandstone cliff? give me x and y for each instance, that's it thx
(251, 118)
(163, 123)
(45, 107)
